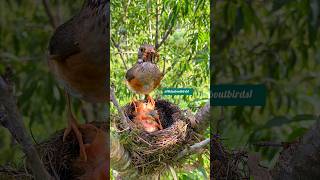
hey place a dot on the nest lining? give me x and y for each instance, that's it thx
(58, 156)
(152, 152)
(227, 164)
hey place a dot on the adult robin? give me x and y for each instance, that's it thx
(77, 58)
(145, 75)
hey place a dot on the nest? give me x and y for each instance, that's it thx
(226, 164)
(152, 152)
(10, 173)
(58, 157)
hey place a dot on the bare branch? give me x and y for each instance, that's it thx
(269, 144)
(165, 36)
(11, 119)
(164, 66)
(194, 148)
(157, 25)
(203, 118)
(117, 45)
(52, 19)
(123, 118)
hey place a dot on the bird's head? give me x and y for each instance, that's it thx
(148, 53)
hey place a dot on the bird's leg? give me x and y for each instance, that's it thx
(74, 126)
(159, 122)
(150, 100)
(134, 104)
(160, 125)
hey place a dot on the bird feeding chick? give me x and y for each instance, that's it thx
(146, 116)
(145, 76)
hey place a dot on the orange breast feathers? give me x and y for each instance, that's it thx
(143, 78)
(81, 78)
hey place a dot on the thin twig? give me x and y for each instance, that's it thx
(157, 25)
(117, 45)
(269, 144)
(193, 148)
(164, 66)
(173, 172)
(123, 118)
(149, 6)
(165, 36)
(53, 20)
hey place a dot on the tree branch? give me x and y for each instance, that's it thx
(194, 148)
(52, 19)
(202, 118)
(117, 45)
(11, 119)
(157, 24)
(120, 158)
(165, 36)
(123, 118)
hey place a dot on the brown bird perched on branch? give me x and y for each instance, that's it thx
(145, 75)
(77, 58)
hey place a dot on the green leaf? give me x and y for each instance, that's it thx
(277, 121)
(304, 117)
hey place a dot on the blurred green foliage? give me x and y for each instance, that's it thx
(275, 43)
(186, 52)
(24, 36)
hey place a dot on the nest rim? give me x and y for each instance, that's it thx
(151, 152)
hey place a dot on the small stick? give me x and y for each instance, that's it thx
(193, 148)
(123, 118)
(164, 67)
(117, 45)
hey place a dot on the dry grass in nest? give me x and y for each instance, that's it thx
(57, 156)
(225, 164)
(9, 173)
(152, 152)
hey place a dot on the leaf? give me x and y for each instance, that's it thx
(303, 117)
(277, 121)
(277, 4)
(296, 133)
(203, 172)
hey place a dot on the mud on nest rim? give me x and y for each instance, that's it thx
(152, 152)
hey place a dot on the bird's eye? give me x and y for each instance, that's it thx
(142, 49)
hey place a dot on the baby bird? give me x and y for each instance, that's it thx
(146, 117)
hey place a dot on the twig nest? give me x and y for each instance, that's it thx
(226, 164)
(62, 158)
(152, 152)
